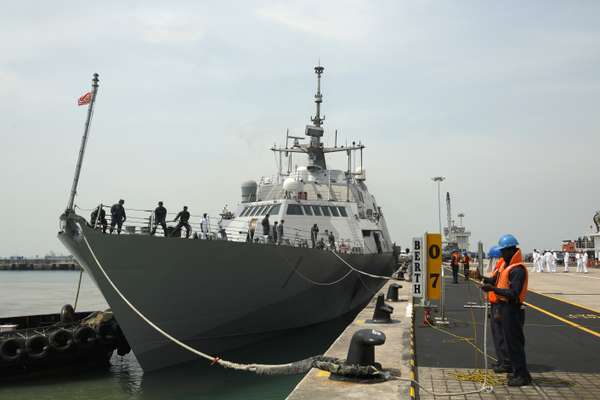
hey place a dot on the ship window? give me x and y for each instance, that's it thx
(265, 210)
(366, 233)
(254, 210)
(294, 209)
(343, 211)
(307, 210)
(334, 211)
(275, 209)
(326, 211)
(317, 210)
(244, 211)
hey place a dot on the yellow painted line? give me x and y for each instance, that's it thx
(566, 321)
(360, 321)
(323, 374)
(566, 301)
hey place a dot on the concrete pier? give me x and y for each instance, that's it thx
(395, 353)
(39, 264)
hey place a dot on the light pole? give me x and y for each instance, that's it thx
(442, 319)
(439, 180)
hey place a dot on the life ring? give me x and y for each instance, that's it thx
(107, 333)
(11, 349)
(37, 347)
(60, 340)
(84, 336)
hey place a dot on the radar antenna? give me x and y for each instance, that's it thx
(317, 120)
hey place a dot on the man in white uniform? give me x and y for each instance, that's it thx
(566, 258)
(584, 261)
(535, 257)
(204, 226)
(548, 261)
(578, 261)
(554, 259)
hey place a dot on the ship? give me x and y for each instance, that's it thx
(231, 286)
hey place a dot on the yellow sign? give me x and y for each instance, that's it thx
(434, 265)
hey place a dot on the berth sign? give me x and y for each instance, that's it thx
(418, 268)
(434, 265)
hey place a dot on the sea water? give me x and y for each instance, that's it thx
(42, 292)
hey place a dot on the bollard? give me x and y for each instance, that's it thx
(362, 347)
(382, 312)
(392, 293)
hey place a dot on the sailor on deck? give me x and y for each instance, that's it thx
(183, 217)
(160, 216)
(510, 290)
(117, 216)
(204, 226)
(566, 261)
(548, 260)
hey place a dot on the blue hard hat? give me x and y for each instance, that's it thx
(506, 241)
(494, 252)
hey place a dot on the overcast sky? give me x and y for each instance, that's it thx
(502, 98)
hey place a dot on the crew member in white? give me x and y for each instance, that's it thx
(584, 261)
(540, 262)
(579, 263)
(535, 260)
(554, 259)
(204, 226)
(548, 260)
(566, 261)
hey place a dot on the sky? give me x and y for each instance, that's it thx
(501, 98)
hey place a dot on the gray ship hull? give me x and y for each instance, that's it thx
(219, 296)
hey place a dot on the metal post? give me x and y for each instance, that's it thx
(442, 318)
(83, 143)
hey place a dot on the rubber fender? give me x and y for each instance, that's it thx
(37, 347)
(84, 336)
(11, 349)
(67, 313)
(61, 340)
(107, 332)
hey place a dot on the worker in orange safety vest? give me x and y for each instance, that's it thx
(509, 293)
(502, 364)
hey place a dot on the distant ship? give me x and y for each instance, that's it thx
(234, 291)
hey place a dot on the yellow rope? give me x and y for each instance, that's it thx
(479, 376)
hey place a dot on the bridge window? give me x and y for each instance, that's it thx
(317, 210)
(275, 209)
(307, 210)
(326, 211)
(334, 211)
(244, 211)
(343, 211)
(294, 209)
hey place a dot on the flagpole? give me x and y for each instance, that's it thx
(83, 143)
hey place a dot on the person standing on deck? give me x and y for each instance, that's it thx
(554, 260)
(280, 232)
(117, 216)
(314, 234)
(274, 233)
(511, 290)
(184, 218)
(566, 262)
(204, 226)
(266, 225)
(584, 261)
(160, 217)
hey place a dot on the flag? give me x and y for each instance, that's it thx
(85, 99)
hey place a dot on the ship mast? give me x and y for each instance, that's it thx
(316, 157)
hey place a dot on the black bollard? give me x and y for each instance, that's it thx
(362, 347)
(392, 293)
(382, 312)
